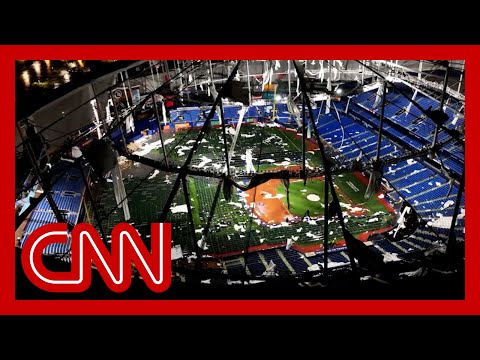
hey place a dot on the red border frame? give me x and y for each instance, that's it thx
(8, 304)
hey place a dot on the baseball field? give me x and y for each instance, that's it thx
(255, 219)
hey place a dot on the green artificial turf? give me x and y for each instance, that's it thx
(349, 184)
(299, 204)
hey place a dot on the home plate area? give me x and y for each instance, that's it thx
(304, 204)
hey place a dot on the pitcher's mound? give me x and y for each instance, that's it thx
(313, 197)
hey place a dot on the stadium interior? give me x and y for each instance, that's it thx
(281, 179)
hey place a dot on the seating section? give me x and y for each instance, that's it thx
(281, 267)
(352, 140)
(429, 192)
(286, 262)
(406, 124)
(196, 116)
(415, 181)
(255, 264)
(67, 193)
(292, 262)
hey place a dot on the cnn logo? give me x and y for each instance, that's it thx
(114, 267)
